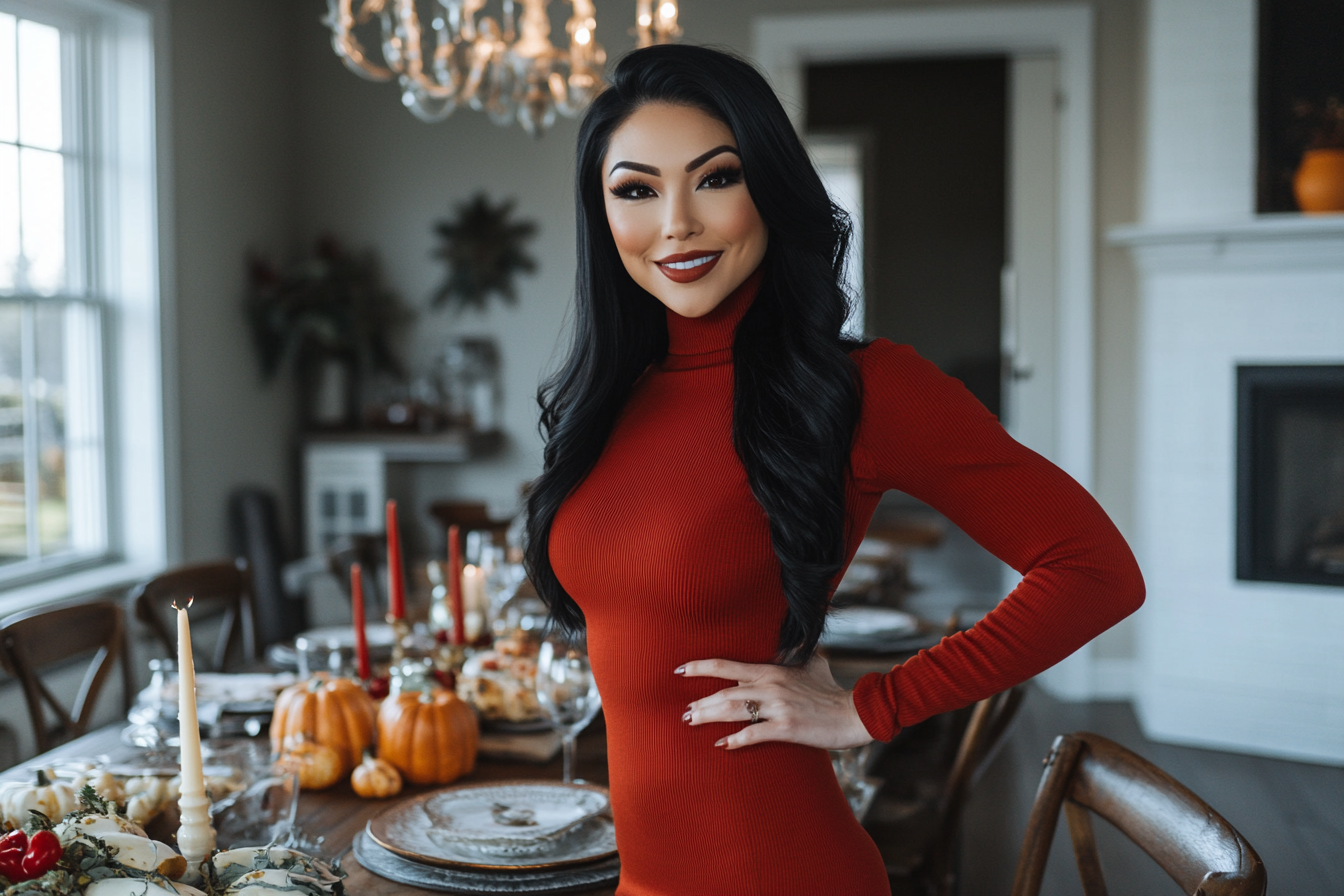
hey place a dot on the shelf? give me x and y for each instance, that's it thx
(449, 446)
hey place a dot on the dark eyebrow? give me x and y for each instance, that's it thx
(706, 156)
(635, 166)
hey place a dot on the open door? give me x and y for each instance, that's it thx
(1030, 291)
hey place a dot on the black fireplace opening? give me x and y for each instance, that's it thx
(1290, 473)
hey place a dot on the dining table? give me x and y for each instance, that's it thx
(338, 814)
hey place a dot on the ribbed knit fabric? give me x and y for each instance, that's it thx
(668, 554)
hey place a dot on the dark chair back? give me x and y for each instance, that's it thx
(1087, 773)
(224, 585)
(36, 639)
(255, 527)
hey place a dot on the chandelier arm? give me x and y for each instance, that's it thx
(341, 20)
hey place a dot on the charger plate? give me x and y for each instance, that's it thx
(462, 880)
(417, 830)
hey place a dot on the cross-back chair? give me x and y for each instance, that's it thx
(38, 639)
(1086, 773)
(921, 851)
(217, 586)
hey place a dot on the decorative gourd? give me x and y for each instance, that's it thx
(52, 798)
(317, 765)
(430, 736)
(375, 779)
(104, 783)
(331, 711)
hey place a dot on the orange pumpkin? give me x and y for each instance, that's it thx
(375, 779)
(331, 711)
(430, 736)
(317, 765)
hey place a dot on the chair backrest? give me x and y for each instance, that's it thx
(254, 523)
(1195, 845)
(35, 639)
(224, 584)
(983, 735)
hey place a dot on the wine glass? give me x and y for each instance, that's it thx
(566, 692)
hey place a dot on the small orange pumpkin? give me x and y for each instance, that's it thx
(430, 736)
(318, 765)
(331, 711)
(375, 779)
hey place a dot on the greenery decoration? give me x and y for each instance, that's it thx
(332, 305)
(483, 250)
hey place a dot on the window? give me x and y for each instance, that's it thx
(52, 466)
(82, 474)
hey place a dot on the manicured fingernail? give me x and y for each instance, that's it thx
(721, 742)
(686, 716)
(680, 670)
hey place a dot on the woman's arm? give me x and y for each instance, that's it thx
(922, 433)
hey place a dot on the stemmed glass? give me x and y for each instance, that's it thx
(566, 692)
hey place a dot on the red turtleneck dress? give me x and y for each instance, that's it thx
(668, 554)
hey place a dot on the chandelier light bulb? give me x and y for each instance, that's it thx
(583, 36)
(645, 20)
(668, 11)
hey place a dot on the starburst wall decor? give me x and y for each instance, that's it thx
(483, 250)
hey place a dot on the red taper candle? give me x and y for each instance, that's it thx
(357, 603)
(455, 585)
(396, 584)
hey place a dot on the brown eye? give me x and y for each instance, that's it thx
(721, 177)
(633, 190)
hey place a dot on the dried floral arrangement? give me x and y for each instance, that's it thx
(332, 305)
(1319, 125)
(483, 250)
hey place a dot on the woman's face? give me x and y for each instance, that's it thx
(679, 209)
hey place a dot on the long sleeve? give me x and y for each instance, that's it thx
(921, 432)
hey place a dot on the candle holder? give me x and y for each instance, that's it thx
(401, 630)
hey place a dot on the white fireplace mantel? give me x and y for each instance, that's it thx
(1284, 242)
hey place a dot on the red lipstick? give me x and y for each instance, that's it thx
(687, 267)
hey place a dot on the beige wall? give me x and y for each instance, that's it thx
(233, 87)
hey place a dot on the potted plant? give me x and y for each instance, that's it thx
(331, 318)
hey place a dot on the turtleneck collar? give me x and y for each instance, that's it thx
(708, 340)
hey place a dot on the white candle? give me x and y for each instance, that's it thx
(196, 837)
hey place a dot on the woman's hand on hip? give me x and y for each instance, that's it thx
(801, 705)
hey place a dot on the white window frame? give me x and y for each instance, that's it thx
(121, 92)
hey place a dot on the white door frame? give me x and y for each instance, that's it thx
(783, 45)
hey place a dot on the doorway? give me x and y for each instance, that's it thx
(935, 132)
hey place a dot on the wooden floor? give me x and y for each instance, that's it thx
(1291, 812)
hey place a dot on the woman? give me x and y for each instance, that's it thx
(715, 450)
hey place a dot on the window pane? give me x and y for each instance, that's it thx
(9, 215)
(9, 110)
(13, 527)
(39, 85)
(50, 400)
(69, 350)
(42, 185)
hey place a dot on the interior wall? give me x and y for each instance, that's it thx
(234, 86)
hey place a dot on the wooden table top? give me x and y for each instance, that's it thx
(338, 814)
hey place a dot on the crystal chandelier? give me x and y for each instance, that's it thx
(506, 67)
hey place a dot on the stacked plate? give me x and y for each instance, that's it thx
(875, 629)
(509, 837)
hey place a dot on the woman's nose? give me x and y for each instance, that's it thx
(680, 222)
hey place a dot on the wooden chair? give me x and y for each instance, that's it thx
(920, 848)
(221, 585)
(1087, 773)
(36, 639)
(469, 515)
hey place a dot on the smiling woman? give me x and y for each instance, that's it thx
(716, 447)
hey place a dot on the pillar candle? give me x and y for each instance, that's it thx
(396, 585)
(196, 837)
(455, 585)
(357, 604)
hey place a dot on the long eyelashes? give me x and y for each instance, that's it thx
(715, 179)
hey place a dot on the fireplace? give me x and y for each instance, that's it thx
(1290, 474)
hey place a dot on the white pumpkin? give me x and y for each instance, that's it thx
(98, 826)
(144, 854)
(267, 882)
(244, 855)
(126, 886)
(52, 798)
(105, 784)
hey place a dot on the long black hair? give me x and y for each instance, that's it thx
(795, 390)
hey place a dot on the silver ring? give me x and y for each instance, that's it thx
(755, 709)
